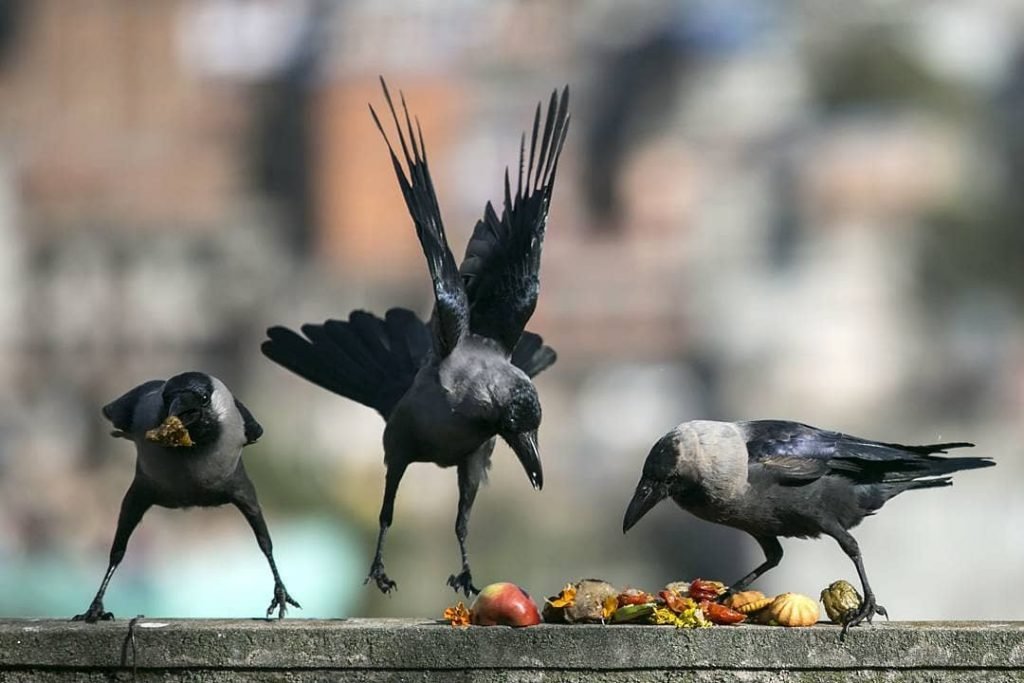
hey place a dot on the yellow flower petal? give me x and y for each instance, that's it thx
(566, 598)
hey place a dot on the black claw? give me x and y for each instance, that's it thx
(93, 614)
(281, 601)
(463, 582)
(385, 584)
(868, 609)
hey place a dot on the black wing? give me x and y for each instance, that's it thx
(797, 453)
(451, 317)
(531, 355)
(367, 359)
(121, 411)
(253, 429)
(501, 268)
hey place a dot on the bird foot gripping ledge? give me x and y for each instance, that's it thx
(35, 650)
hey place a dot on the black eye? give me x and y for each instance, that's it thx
(204, 397)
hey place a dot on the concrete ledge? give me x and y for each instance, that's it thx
(422, 650)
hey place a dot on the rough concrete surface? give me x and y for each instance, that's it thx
(298, 650)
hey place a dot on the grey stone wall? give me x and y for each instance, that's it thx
(297, 650)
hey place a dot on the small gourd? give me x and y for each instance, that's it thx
(792, 609)
(842, 602)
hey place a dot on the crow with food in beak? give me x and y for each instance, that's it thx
(189, 432)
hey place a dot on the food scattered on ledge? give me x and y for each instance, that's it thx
(171, 432)
(842, 602)
(503, 604)
(596, 601)
(684, 604)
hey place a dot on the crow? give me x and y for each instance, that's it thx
(775, 478)
(201, 465)
(448, 388)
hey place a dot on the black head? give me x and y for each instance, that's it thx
(190, 397)
(659, 472)
(520, 418)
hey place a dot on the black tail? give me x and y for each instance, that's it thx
(936, 466)
(929, 449)
(920, 472)
(923, 464)
(906, 464)
(531, 355)
(933, 483)
(367, 359)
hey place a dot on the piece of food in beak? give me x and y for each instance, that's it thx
(171, 432)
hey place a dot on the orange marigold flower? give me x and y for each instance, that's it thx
(458, 615)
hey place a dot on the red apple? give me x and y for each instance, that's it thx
(503, 604)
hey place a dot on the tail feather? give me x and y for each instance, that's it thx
(911, 468)
(933, 483)
(531, 355)
(916, 468)
(367, 359)
(929, 449)
(937, 466)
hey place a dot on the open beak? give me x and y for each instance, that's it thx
(524, 445)
(647, 495)
(185, 406)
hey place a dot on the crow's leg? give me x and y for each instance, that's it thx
(133, 506)
(244, 498)
(469, 484)
(773, 555)
(869, 608)
(387, 512)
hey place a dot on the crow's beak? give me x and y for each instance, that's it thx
(647, 495)
(186, 407)
(524, 445)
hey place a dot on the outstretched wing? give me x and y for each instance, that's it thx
(451, 317)
(501, 269)
(799, 453)
(367, 359)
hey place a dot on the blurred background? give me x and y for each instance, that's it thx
(798, 210)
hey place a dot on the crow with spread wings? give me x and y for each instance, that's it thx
(449, 387)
